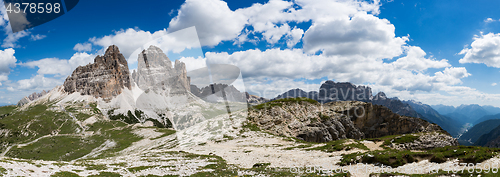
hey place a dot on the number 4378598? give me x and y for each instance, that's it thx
(34, 7)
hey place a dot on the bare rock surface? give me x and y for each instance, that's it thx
(104, 78)
(427, 141)
(335, 120)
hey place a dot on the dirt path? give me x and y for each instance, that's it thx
(373, 146)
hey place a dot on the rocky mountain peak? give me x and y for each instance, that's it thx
(343, 91)
(104, 78)
(31, 97)
(155, 72)
(380, 96)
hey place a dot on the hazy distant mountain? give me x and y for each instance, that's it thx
(443, 109)
(492, 109)
(463, 119)
(488, 117)
(473, 111)
(467, 113)
(471, 136)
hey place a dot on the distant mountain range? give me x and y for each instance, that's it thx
(472, 113)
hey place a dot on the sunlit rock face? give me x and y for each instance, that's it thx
(104, 78)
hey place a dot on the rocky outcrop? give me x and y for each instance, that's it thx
(335, 120)
(426, 141)
(254, 99)
(344, 91)
(155, 72)
(31, 97)
(219, 92)
(105, 78)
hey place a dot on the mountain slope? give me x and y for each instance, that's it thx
(491, 139)
(443, 109)
(473, 134)
(488, 117)
(431, 115)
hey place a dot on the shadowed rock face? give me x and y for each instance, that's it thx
(155, 71)
(336, 120)
(104, 78)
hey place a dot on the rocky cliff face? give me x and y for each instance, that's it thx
(335, 120)
(155, 72)
(254, 99)
(104, 78)
(31, 97)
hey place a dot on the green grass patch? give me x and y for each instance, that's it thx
(64, 174)
(57, 148)
(82, 116)
(94, 108)
(405, 139)
(140, 168)
(339, 145)
(33, 123)
(165, 132)
(129, 118)
(250, 126)
(96, 167)
(7, 109)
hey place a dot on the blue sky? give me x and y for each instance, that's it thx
(436, 52)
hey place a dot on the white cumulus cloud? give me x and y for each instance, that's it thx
(85, 47)
(61, 67)
(7, 61)
(484, 49)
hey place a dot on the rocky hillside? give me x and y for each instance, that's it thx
(344, 91)
(105, 78)
(315, 122)
(254, 99)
